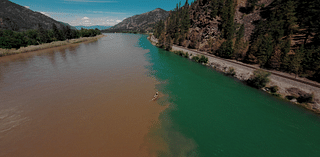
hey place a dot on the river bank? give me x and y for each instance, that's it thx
(6, 52)
(288, 85)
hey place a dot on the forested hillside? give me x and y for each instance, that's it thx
(282, 35)
(19, 18)
(21, 27)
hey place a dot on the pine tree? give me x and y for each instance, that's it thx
(307, 62)
(42, 34)
(285, 60)
(296, 61)
(316, 65)
(264, 50)
(275, 60)
(214, 7)
(239, 42)
(289, 18)
(56, 31)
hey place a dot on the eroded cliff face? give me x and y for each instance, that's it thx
(205, 31)
(143, 21)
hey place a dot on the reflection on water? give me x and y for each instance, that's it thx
(90, 99)
(10, 118)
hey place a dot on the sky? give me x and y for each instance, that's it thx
(95, 12)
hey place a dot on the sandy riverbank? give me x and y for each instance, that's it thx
(6, 52)
(284, 81)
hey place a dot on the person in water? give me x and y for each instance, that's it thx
(155, 96)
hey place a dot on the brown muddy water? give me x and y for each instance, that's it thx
(90, 99)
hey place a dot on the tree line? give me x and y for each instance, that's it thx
(286, 38)
(272, 45)
(175, 28)
(12, 39)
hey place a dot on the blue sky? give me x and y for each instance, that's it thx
(95, 12)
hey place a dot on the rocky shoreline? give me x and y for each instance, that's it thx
(6, 52)
(288, 85)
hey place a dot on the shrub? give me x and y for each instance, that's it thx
(290, 97)
(201, 59)
(308, 98)
(274, 89)
(231, 71)
(195, 58)
(259, 79)
(180, 53)
(276, 94)
(186, 55)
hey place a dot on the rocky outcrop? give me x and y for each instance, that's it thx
(204, 27)
(144, 21)
(19, 18)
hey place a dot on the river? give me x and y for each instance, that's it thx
(94, 99)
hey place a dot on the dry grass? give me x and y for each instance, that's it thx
(5, 52)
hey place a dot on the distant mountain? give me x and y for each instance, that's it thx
(92, 27)
(18, 18)
(144, 21)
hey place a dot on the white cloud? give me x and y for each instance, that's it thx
(90, 1)
(45, 13)
(27, 7)
(104, 12)
(102, 21)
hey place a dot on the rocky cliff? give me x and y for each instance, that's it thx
(204, 27)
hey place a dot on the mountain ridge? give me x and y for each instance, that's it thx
(142, 22)
(19, 18)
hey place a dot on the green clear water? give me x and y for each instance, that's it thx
(214, 115)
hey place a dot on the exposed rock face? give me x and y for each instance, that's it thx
(143, 21)
(19, 18)
(204, 27)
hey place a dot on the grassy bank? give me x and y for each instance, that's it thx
(6, 52)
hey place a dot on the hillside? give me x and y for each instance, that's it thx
(18, 18)
(281, 35)
(142, 22)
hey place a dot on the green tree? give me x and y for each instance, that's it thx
(56, 32)
(42, 34)
(259, 79)
(297, 60)
(275, 60)
(226, 49)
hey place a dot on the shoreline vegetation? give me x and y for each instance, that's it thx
(13, 42)
(30, 48)
(124, 31)
(282, 85)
